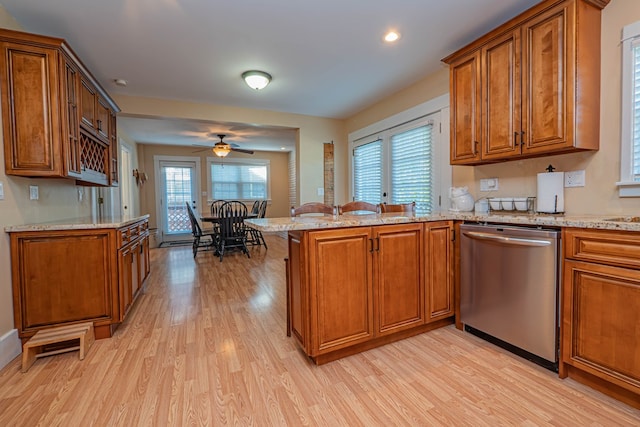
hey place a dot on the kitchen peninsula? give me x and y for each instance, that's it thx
(78, 270)
(360, 281)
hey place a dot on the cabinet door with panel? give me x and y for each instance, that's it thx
(298, 288)
(601, 321)
(72, 149)
(599, 311)
(88, 112)
(341, 290)
(501, 97)
(466, 115)
(439, 271)
(126, 271)
(61, 277)
(31, 113)
(549, 62)
(114, 150)
(398, 277)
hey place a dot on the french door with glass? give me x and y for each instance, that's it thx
(178, 186)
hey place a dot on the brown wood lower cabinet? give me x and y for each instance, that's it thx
(351, 289)
(68, 276)
(601, 311)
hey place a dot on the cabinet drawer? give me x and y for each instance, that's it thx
(604, 247)
(124, 236)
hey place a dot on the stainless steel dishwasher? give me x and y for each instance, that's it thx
(509, 288)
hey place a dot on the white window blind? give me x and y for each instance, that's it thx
(367, 172)
(636, 110)
(238, 181)
(411, 169)
(629, 184)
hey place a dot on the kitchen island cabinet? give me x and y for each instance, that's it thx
(355, 288)
(64, 274)
(600, 311)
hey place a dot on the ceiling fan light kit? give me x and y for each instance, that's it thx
(221, 148)
(256, 79)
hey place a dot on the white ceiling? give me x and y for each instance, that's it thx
(326, 57)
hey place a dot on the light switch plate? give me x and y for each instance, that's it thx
(320, 191)
(574, 179)
(1, 191)
(33, 192)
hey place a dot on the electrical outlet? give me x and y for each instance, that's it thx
(574, 179)
(33, 192)
(489, 184)
(320, 191)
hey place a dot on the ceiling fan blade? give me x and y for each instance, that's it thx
(202, 149)
(241, 150)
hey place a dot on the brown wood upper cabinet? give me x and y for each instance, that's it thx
(531, 87)
(96, 113)
(43, 89)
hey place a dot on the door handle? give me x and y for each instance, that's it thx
(506, 240)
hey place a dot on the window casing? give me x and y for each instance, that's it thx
(629, 185)
(404, 158)
(238, 179)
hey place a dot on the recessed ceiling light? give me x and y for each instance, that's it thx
(391, 36)
(283, 148)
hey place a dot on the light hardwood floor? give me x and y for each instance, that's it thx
(206, 345)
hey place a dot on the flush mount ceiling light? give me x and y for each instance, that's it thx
(391, 36)
(256, 79)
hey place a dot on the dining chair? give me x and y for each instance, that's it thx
(313, 208)
(255, 237)
(201, 238)
(256, 207)
(358, 206)
(401, 207)
(233, 231)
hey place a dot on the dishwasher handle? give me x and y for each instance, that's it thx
(507, 240)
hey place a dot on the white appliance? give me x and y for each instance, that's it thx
(550, 192)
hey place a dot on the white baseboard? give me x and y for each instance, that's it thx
(10, 347)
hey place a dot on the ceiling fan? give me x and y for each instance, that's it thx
(221, 148)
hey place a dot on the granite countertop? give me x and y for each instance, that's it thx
(348, 220)
(86, 223)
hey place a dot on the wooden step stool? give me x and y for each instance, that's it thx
(36, 345)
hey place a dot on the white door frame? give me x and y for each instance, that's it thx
(126, 190)
(159, 188)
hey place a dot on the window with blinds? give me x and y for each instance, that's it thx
(629, 185)
(396, 165)
(636, 109)
(367, 172)
(239, 181)
(411, 167)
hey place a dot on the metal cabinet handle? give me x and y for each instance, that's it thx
(371, 241)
